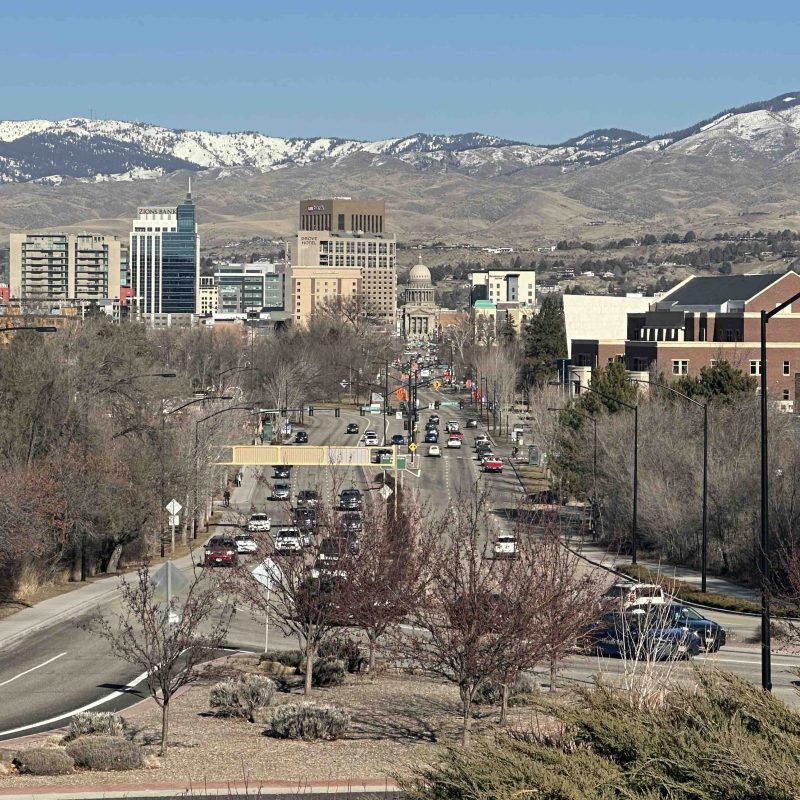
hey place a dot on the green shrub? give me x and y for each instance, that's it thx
(343, 648)
(327, 672)
(308, 721)
(43, 761)
(241, 697)
(108, 723)
(105, 753)
(725, 739)
(289, 658)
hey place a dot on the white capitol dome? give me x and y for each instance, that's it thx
(420, 274)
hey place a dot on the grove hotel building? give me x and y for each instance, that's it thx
(339, 239)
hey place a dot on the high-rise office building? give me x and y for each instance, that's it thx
(250, 287)
(164, 262)
(64, 266)
(342, 234)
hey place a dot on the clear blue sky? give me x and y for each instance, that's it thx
(385, 68)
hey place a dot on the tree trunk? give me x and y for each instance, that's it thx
(552, 674)
(113, 559)
(309, 670)
(371, 657)
(164, 726)
(466, 699)
(504, 704)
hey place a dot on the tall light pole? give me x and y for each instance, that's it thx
(764, 564)
(704, 538)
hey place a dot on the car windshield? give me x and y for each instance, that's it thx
(258, 517)
(688, 613)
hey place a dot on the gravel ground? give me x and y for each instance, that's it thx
(396, 720)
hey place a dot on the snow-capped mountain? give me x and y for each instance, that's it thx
(98, 150)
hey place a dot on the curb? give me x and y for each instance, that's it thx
(350, 788)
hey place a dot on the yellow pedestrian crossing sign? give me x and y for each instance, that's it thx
(412, 447)
(437, 384)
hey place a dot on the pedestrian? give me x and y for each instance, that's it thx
(226, 497)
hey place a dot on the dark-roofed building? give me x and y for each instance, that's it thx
(708, 319)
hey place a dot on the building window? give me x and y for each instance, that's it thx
(680, 366)
(755, 367)
(785, 394)
(787, 368)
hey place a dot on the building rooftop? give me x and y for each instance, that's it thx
(715, 291)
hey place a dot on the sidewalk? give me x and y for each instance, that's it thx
(53, 610)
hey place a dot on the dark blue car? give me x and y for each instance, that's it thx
(398, 438)
(710, 633)
(648, 632)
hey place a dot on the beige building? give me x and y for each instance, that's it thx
(505, 286)
(64, 266)
(318, 288)
(420, 312)
(345, 233)
(208, 297)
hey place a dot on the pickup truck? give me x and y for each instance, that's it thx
(493, 464)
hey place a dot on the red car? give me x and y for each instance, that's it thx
(456, 435)
(220, 552)
(493, 465)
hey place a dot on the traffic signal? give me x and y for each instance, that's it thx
(335, 412)
(361, 410)
(311, 411)
(283, 412)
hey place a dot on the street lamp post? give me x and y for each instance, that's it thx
(766, 651)
(704, 535)
(635, 409)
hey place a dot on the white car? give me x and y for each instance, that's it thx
(627, 595)
(454, 443)
(369, 438)
(290, 540)
(434, 450)
(286, 430)
(259, 523)
(505, 545)
(452, 426)
(481, 437)
(245, 543)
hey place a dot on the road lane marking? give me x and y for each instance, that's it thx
(38, 666)
(69, 714)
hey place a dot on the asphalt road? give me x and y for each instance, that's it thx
(61, 669)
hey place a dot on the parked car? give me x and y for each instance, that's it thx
(307, 498)
(453, 442)
(305, 518)
(398, 439)
(220, 551)
(259, 523)
(505, 546)
(301, 437)
(290, 540)
(452, 426)
(471, 423)
(434, 451)
(628, 594)
(281, 471)
(493, 464)
(280, 491)
(350, 500)
(635, 634)
(711, 634)
(431, 437)
(351, 522)
(245, 544)
(351, 428)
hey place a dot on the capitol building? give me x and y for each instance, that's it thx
(420, 314)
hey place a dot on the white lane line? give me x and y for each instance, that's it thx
(69, 714)
(38, 666)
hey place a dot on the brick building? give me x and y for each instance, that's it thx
(703, 320)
